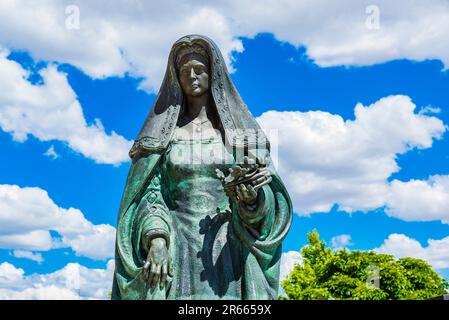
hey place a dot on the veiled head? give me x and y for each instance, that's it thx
(234, 116)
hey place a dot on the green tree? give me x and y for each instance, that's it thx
(358, 275)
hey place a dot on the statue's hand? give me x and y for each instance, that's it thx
(244, 181)
(246, 194)
(158, 264)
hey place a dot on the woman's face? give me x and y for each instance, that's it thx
(194, 78)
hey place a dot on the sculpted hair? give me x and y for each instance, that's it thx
(190, 52)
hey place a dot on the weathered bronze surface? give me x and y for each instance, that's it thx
(204, 213)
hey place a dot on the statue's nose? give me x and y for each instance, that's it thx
(192, 73)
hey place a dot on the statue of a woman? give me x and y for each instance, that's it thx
(203, 213)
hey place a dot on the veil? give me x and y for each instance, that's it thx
(239, 126)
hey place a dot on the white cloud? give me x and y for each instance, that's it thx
(51, 153)
(288, 261)
(28, 240)
(341, 241)
(39, 293)
(326, 160)
(10, 275)
(337, 34)
(113, 38)
(28, 255)
(436, 253)
(420, 200)
(429, 110)
(74, 281)
(135, 38)
(27, 215)
(51, 111)
(123, 38)
(98, 243)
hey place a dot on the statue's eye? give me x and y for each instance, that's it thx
(199, 70)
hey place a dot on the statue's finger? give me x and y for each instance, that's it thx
(156, 276)
(151, 273)
(163, 275)
(244, 191)
(252, 192)
(146, 268)
(170, 268)
(238, 191)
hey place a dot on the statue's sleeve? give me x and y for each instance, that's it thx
(154, 217)
(261, 229)
(259, 217)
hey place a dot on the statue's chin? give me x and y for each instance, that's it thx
(197, 93)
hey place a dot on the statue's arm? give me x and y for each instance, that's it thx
(154, 214)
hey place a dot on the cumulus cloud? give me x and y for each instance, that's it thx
(422, 200)
(28, 255)
(353, 33)
(50, 111)
(28, 215)
(288, 261)
(75, 281)
(10, 275)
(326, 160)
(341, 241)
(436, 253)
(111, 39)
(72, 282)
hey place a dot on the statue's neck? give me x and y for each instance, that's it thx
(198, 107)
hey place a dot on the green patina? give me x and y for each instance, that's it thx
(219, 248)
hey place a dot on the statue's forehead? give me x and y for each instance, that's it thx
(191, 62)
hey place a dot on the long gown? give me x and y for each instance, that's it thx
(206, 253)
(219, 250)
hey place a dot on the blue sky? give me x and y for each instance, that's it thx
(405, 148)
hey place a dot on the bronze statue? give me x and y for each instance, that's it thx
(203, 213)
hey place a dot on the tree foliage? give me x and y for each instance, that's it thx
(359, 275)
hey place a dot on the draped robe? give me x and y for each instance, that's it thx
(248, 240)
